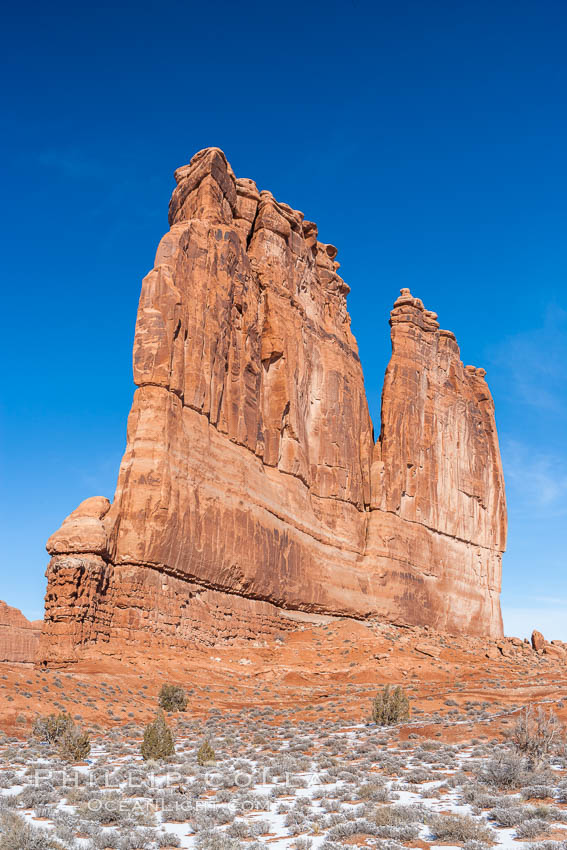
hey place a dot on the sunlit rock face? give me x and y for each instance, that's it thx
(19, 637)
(251, 485)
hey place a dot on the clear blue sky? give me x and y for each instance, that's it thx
(428, 141)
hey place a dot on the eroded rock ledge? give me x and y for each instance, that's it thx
(251, 485)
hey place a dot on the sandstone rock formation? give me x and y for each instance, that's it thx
(251, 489)
(19, 637)
(538, 640)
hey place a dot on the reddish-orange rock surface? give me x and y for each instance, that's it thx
(19, 637)
(316, 670)
(251, 492)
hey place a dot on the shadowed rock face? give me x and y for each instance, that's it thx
(251, 486)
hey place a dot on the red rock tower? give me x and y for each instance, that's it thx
(251, 487)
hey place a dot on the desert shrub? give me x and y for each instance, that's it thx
(176, 811)
(37, 795)
(7, 802)
(418, 776)
(378, 792)
(158, 740)
(403, 832)
(538, 792)
(214, 839)
(172, 698)
(536, 734)
(205, 753)
(247, 801)
(532, 827)
(460, 828)
(477, 795)
(44, 812)
(505, 771)
(63, 820)
(511, 814)
(547, 845)
(203, 822)
(74, 745)
(508, 816)
(358, 826)
(138, 839)
(260, 827)
(218, 814)
(168, 839)
(239, 829)
(390, 706)
(295, 818)
(7, 779)
(399, 815)
(16, 834)
(111, 808)
(223, 795)
(52, 727)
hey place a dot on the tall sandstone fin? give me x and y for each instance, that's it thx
(438, 499)
(251, 485)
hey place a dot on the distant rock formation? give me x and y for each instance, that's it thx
(251, 488)
(19, 637)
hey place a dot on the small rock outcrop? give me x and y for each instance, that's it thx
(538, 641)
(251, 490)
(19, 637)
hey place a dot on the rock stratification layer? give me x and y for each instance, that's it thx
(251, 492)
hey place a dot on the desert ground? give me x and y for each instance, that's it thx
(297, 761)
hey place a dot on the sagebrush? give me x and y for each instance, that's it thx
(536, 734)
